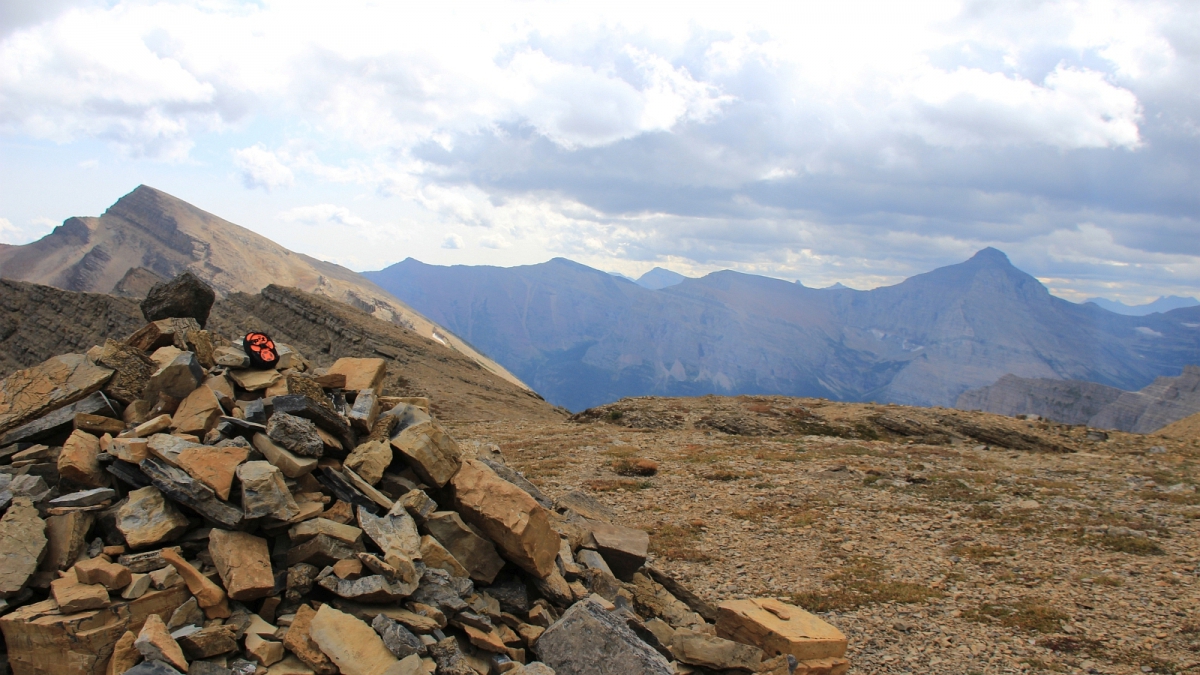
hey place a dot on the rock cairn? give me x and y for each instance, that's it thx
(168, 510)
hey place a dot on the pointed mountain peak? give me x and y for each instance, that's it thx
(991, 256)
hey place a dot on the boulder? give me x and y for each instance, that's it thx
(699, 649)
(156, 644)
(323, 417)
(98, 425)
(210, 596)
(29, 394)
(79, 460)
(256, 380)
(213, 466)
(148, 519)
(67, 537)
(351, 644)
(624, 548)
(176, 377)
(182, 488)
(22, 545)
(198, 412)
(264, 493)
(292, 465)
(83, 498)
(418, 504)
(131, 370)
(589, 640)
(299, 642)
(509, 516)
(434, 555)
(431, 453)
(302, 532)
(244, 563)
(360, 373)
(779, 628)
(163, 333)
(364, 411)
(208, 642)
(296, 434)
(369, 460)
(396, 535)
(111, 575)
(399, 640)
(59, 422)
(73, 597)
(125, 655)
(475, 553)
(185, 296)
(449, 658)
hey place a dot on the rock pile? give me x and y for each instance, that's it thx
(166, 509)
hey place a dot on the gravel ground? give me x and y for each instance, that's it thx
(958, 557)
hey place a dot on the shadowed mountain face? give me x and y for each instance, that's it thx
(149, 234)
(581, 337)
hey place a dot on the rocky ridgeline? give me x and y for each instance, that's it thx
(168, 509)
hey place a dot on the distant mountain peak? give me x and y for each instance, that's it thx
(659, 278)
(992, 256)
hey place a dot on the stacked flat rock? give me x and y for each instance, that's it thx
(180, 513)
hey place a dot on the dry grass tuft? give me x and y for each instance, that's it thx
(1026, 614)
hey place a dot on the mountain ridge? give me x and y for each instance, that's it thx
(581, 338)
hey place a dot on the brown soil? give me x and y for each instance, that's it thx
(935, 552)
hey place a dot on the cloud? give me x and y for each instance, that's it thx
(261, 168)
(323, 215)
(453, 242)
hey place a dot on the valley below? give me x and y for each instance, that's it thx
(933, 554)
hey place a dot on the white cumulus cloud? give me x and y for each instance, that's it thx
(261, 168)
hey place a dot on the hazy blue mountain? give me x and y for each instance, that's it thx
(581, 337)
(659, 278)
(1165, 303)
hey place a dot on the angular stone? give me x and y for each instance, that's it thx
(418, 504)
(29, 394)
(676, 589)
(142, 563)
(588, 640)
(298, 642)
(297, 434)
(516, 478)
(176, 378)
(361, 373)
(266, 652)
(165, 578)
(398, 639)
(717, 653)
(213, 466)
(368, 490)
(351, 644)
(201, 342)
(555, 589)
(431, 453)
(292, 466)
(364, 411)
(188, 614)
(148, 519)
(244, 563)
(341, 487)
(369, 460)
(156, 644)
(264, 494)
(652, 599)
(779, 628)
(231, 357)
(98, 425)
(449, 658)
(73, 597)
(150, 427)
(373, 589)
(324, 418)
(321, 550)
(43, 641)
(256, 380)
(509, 516)
(585, 505)
(108, 574)
(185, 296)
(396, 535)
(624, 549)
(209, 642)
(152, 668)
(163, 333)
(139, 584)
(436, 556)
(58, 422)
(182, 488)
(475, 553)
(302, 532)
(79, 461)
(125, 655)
(210, 596)
(198, 412)
(131, 370)
(22, 545)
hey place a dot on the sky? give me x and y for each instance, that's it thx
(852, 142)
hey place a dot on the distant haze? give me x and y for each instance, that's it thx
(1163, 304)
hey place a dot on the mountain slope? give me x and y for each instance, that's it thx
(1163, 304)
(151, 229)
(659, 278)
(582, 337)
(38, 322)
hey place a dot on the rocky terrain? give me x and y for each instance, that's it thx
(149, 235)
(582, 337)
(1046, 548)
(39, 322)
(1166, 400)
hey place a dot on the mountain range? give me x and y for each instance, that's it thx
(1164, 303)
(582, 337)
(149, 235)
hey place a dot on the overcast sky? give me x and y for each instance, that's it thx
(820, 141)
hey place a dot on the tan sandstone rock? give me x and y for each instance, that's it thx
(31, 393)
(778, 628)
(430, 451)
(156, 644)
(213, 466)
(360, 373)
(511, 518)
(148, 519)
(198, 412)
(299, 642)
(22, 545)
(244, 563)
(351, 644)
(79, 460)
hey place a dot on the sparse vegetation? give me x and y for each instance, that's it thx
(1027, 614)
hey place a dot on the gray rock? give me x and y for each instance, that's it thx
(395, 534)
(85, 498)
(373, 589)
(180, 487)
(436, 590)
(264, 494)
(207, 668)
(588, 640)
(60, 422)
(300, 580)
(152, 668)
(512, 595)
(585, 505)
(177, 379)
(296, 434)
(28, 485)
(476, 554)
(449, 658)
(399, 640)
(185, 296)
(708, 651)
(187, 614)
(303, 406)
(593, 560)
